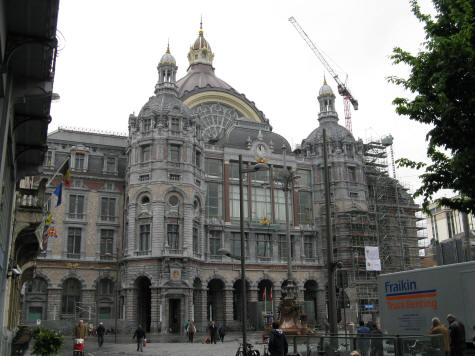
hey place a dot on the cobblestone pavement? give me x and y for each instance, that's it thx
(162, 346)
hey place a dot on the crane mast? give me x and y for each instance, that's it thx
(342, 88)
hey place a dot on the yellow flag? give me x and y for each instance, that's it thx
(48, 219)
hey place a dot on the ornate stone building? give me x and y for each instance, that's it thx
(142, 244)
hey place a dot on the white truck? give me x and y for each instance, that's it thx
(409, 300)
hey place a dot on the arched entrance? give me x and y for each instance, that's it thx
(144, 302)
(237, 292)
(310, 295)
(264, 290)
(216, 301)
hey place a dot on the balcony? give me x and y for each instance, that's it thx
(143, 253)
(173, 251)
(76, 216)
(107, 257)
(109, 218)
(73, 256)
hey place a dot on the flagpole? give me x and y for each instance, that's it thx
(265, 300)
(61, 167)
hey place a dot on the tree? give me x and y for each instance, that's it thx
(443, 83)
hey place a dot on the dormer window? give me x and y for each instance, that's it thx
(147, 124)
(175, 124)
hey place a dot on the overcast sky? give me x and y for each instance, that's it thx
(106, 68)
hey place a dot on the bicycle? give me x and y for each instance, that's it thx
(248, 352)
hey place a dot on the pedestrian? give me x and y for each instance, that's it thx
(80, 331)
(191, 330)
(100, 330)
(457, 336)
(186, 324)
(278, 345)
(376, 340)
(140, 335)
(213, 332)
(362, 334)
(221, 332)
(438, 328)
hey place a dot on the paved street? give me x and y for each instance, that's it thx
(169, 347)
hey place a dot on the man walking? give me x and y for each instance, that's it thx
(438, 328)
(363, 339)
(221, 332)
(457, 336)
(278, 345)
(213, 332)
(140, 335)
(100, 330)
(80, 331)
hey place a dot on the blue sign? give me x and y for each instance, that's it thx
(369, 306)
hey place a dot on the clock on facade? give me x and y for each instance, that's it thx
(261, 149)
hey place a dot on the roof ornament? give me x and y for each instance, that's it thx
(201, 26)
(168, 46)
(324, 79)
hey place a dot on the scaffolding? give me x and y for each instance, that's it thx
(387, 220)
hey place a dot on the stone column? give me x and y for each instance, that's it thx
(188, 230)
(321, 305)
(204, 310)
(252, 295)
(53, 304)
(155, 310)
(228, 306)
(131, 237)
(227, 218)
(130, 305)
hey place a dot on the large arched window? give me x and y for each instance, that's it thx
(105, 301)
(71, 295)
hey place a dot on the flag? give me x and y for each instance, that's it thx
(270, 295)
(66, 172)
(264, 294)
(49, 219)
(59, 192)
(52, 232)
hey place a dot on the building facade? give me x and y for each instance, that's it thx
(144, 221)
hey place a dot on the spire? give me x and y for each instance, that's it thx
(201, 26)
(200, 52)
(168, 46)
(324, 79)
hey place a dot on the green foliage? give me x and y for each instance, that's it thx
(47, 342)
(443, 83)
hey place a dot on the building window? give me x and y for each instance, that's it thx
(263, 245)
(74, 242)
(110, 164)
(450, 224)
(283, 247)
(196, 240)
(198, 159)
(279, 199)
(144, 177)
(435, 231)
(49, 159)
(349, 150)
(107, 244)
(236, 244)
(79, 159)
(146, 125)
(71, 296)
(308, 247)
(234, 201)
(106, 287)
(261, 203)
(144, 238)
(37, 286)
(261, 176)
(305, 207)
(175, 177)
(175, 153)
(305, 178)
(145, 153)
(175, 125)
(234, 171)
(214, 200)
(214, 242)
(352, 174)
(214, 168)
(173, 236)
(108, 209)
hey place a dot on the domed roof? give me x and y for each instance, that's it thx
(200, 76)
(167, 58)
(325, 89)
(164, 104)
(333, 131)
(201, 42)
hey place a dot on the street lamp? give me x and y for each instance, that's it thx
(225, 252)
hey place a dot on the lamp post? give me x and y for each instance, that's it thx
(243, 170)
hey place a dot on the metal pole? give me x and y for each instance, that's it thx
(466, 231)
(243, 258)
(331, 279)
(286, 184)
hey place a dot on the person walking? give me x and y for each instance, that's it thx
(191, 330)
(100, 330)
(457, 336)
(278, 345)
(80, 332)
(438, 328)
(376, 340)
(186, 325)
(221, 332)
(363, 339)
(213, 332)
(140, 335)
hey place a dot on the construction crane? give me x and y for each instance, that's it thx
(342, 88)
